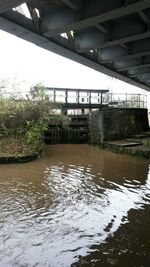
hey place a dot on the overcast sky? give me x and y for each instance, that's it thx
(32, 64)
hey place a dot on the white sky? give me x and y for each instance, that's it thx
(33, 64)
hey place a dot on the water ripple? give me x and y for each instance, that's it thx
(71, 209)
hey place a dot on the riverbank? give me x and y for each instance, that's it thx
(15, 149)
(138, 145)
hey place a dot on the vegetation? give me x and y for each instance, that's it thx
(39, 92)
(24, 121)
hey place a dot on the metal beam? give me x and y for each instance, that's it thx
(143, 17)
(144, 77)
(8, 4)
(121, 41)
(70, 39)
(134, 67)
(58, 18)
(34, 16)
(110, 15)
(89, 40)
(19, 19)
(101, 28)
(70, 4)
(45, 43)
(139, 72)
(135, 55)
(104, 91)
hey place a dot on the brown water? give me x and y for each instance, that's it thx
(79, 206)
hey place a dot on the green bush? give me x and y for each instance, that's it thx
(28, 120)
(25, 119)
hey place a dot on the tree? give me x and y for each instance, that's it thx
(39, 92)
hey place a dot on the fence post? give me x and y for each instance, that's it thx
(90, 97)
(66, 96)
(101, 98)
(54, 95)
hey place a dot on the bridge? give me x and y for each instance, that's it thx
(112, 37)
(71, 98)
(74, 98)
(77, 98)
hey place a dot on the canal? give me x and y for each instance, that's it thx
(76, 206)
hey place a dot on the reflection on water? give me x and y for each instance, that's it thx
(69, 204)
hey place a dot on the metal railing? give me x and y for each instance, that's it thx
(85, 97)
(125, 100)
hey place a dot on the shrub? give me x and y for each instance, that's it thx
(24, 118)
(27, 120)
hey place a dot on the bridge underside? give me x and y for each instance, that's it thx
(112, 37)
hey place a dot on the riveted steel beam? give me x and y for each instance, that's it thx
(45, 43)
(89, 39)
(101, 28)
(121, 41)
(58, 18)
(72, 4)
(8, 4)
(134, 67)
(144, 76)
(136, 55)
(142, 71)
(24, 28)
(19, 19)
(144, 17)
(34, 16)
(110, 15)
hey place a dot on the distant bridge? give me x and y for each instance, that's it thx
(71, 98)
(78, 98)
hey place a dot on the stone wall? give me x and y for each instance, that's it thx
(117, 123)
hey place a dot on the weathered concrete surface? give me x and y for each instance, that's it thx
(117, 123)
(141, 149)
(124, 143)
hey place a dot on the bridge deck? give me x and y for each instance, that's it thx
(112, 37)
(93, 98)
(77, 98)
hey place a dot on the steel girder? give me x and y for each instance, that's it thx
(8, 4)
(110, 36)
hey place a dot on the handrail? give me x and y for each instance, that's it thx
(82, 96)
